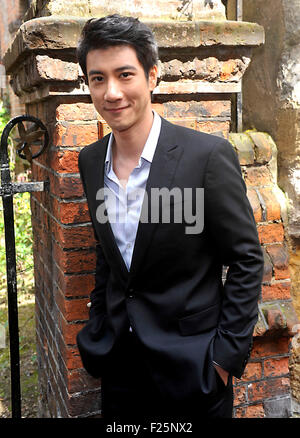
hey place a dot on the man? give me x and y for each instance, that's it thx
(165, 334)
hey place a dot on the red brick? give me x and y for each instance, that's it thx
(216, 128)
(253, 411)
(38, 172)
(66, 186)
(190, 123)
(273, 209)
(255, 204)
(75, 134)
(74, 261)
(239, 394)
(276, 367)
(72, 309)
(258, 176)
(269, 347)
(76, 111)
(75, 285)
(276, 291)
(70, 330)
(280, 259)
(270, 233)
(73, 236)
(268, 388)
(65, 161)
(275, 319)
(76, 309)
(194, 109)
(78, 380)
(253, 371)
(72, 358)
(70, 212)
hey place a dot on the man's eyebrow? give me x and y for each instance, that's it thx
(124, 67)
(94, 72)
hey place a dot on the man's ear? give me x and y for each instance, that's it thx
(153, 72)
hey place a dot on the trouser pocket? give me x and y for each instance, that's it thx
(220, 383)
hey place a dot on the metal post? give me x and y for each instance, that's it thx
(12, 302)
(239, 97)
(7, 190)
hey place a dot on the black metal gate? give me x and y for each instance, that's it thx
(31, 143)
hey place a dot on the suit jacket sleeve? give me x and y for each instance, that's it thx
(229, 218)
(97, 296)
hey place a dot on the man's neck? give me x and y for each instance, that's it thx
(129, 144)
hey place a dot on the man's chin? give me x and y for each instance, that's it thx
(120, 127)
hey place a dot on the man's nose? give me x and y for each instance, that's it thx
(113, 91)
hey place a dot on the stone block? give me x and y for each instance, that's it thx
(276, 366)
(280, 259)
(244, 148)
(258, 391)
(278, 407)
(268, 267)
(270, 203)
(276, 291)
(253, 411)
(50, 68)
(262, 146)
(270, 233)
(258, 176)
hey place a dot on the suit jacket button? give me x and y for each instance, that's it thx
(130, 293)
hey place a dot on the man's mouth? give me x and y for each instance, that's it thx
(116, 110)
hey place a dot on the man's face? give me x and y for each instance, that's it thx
(118, 86)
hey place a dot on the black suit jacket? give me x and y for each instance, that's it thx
(173, 297)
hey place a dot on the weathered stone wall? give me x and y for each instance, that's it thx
(148, 9)
(264, 390)
(273, 80)
(10, 21)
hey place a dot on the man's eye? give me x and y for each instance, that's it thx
(97, 79)
(125, 74)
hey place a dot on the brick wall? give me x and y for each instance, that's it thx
(198, 76)
(64, 255)
(264, 390)
(65, 260)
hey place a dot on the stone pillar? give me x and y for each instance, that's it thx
(201, 66)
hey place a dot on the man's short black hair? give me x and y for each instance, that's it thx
(116, 30)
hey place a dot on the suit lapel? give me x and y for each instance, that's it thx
(106, 235)
(165, 160)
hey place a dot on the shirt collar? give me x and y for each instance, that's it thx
(149, 148)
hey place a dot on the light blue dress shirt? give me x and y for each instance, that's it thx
(124, 204)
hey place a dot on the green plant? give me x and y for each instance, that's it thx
(23, 242)
(4, 116)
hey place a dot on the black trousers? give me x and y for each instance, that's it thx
(129, 391)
